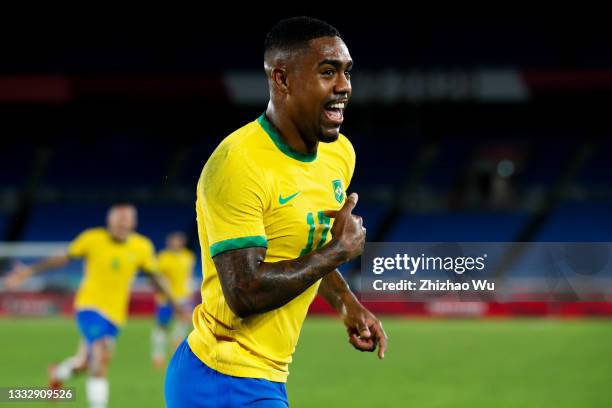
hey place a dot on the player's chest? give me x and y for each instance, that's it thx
(176, 263)
(115, 259)
(296, 218)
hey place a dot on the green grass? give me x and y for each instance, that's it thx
(430, 363)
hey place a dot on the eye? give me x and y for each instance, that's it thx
(328, 72)
(347, 74)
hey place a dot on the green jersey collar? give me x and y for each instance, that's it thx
(282, 146)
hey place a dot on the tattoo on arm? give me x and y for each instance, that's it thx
(252, 286)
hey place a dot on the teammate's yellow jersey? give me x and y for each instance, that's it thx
(255, 191)
(177, 267)
(110, 268)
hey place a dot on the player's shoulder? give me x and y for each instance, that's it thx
(166, 254)
(346, 145)
(242, 141)
(164, 257)
(341, 150)
(189, 253)
(236, 155)
(94, 232)
(141, 241)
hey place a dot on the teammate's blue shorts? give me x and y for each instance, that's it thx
(191, 383)
(93, 326)
(163, 314)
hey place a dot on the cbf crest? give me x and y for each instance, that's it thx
(338, 190)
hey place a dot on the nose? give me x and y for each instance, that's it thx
(343, 86)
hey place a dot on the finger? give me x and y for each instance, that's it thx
(381, 338)
(362, 344)
(359, 328)
(359, 220)
(364, 330)
(331, 213)
(350, 203)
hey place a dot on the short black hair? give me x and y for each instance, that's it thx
(295, 32)
(121, 203)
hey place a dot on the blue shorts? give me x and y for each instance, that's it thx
(93, 326)
(163, 314)
(191, 383)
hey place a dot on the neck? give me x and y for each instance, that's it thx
(288, 130)
(116, 239)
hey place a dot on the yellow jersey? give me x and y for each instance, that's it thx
(256, 191)
(110, 268)
(177, 268)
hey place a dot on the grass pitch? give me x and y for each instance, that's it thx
(429, 363)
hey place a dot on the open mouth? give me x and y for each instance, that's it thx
(334, 111)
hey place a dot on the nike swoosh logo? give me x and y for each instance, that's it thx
(285, 200)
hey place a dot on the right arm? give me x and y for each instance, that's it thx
(77, 248)
(252, 286)
(20, 273)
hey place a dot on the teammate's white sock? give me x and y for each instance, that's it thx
(64, 370)
(97, 392)
(158, 343)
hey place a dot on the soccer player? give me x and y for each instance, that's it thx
(113, 256)
(266, 199)
(176, 264)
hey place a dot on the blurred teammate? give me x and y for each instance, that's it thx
(113, 256)
(265, 200)
(176, 264)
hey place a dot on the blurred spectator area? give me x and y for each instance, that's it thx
(465, 130)
(477, 181)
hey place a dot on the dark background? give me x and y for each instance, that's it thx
(95, 110)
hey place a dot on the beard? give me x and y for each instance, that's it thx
(328, 138)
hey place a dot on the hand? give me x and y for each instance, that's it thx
(184, 314)
(348, 228)
(16, 276)
(181, 311)
(365, 331)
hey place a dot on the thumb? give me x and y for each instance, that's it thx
(364, 331)
(350, 203)
(331, 213)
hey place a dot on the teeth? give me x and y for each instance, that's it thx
(337, 106)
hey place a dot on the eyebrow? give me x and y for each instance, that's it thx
(335, 63)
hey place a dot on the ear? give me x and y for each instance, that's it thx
(279, 79)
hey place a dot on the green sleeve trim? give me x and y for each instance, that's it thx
(238, 243)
